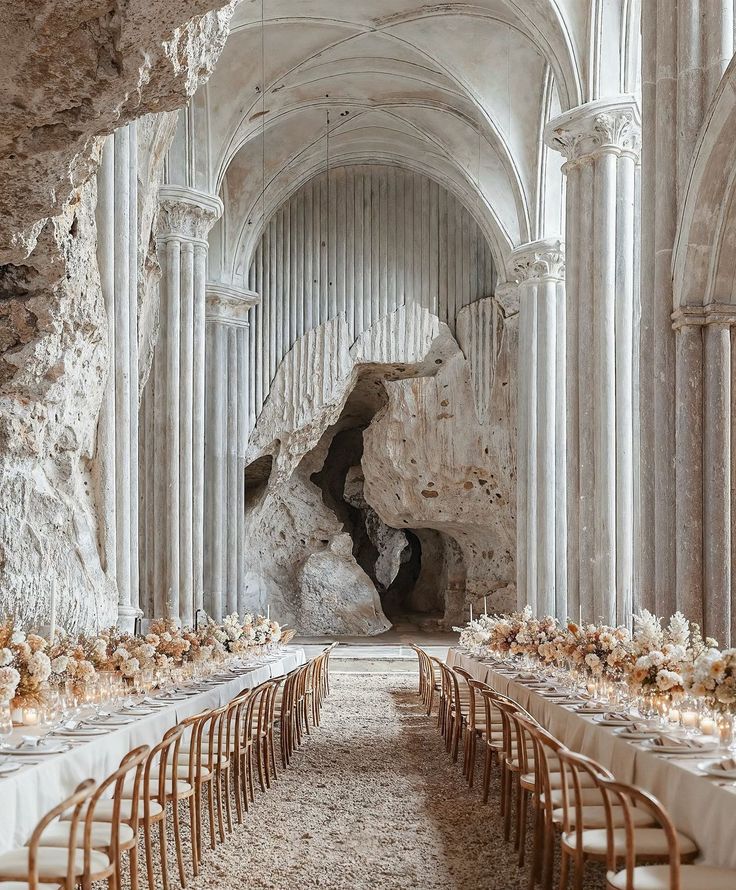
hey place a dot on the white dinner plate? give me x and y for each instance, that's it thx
(82, 731)
(678, 749)
(587, 711)
(601, 721)
(638, 734)
(711, 768)
(43, 748)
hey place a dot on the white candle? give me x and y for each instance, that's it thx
(708, 726)
(471, 611)
(485, 605)
(52, 623)
(689, 718)
(268, 611)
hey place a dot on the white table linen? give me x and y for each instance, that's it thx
(25, 795)
(702, 809)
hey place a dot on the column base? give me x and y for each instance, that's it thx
(126, 618)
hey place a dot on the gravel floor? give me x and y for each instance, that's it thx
(371, 801)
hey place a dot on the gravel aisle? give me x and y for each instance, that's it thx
(371, 801)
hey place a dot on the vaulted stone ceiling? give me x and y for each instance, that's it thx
(457, 91)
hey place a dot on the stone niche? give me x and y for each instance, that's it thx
(382, 495)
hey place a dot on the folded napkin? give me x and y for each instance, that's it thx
(640, 727)
(728, 765)
(29, 741)
(618, 715)
(670, 741)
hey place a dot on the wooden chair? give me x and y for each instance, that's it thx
(163, 782)
(107, 831)
(584, 838)
(672, 874)
(443, 718)
(493, 736)
(61, 867)
(285, 717)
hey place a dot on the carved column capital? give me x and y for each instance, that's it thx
(699, 316)
(606, 125)
(186, 214)
(229, 305)
(542, 259)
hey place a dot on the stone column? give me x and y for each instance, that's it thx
(185, 217)
(703, 466)
(226, 436)
(539, 270)
(117, 228)
(601, 143)
(686, 47)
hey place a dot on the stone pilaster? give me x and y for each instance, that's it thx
(117, 227)
(601, 144)
(174, 466)
(539, 269)
(226, 437)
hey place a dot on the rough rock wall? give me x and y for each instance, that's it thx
(77, 71)
(428, 462)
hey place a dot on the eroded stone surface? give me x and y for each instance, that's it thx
(77, 71)
(428, 462)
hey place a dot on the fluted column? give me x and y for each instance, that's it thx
(175, 393)
(226, 436)
(600, 141)
(703, 466)
(539, 270)
(117, 229)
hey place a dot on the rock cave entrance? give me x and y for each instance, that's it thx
(405, 565)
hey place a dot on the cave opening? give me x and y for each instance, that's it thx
(394, 559)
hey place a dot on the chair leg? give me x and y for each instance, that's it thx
(133, 865)
(522, 825)
(149, 853)
(487, 763)
(164, 843)
(211, 808)
(177, 842)
(564, 869)
(193, 830)
(226, 792)
(218, 797)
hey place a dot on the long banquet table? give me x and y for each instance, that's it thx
(700, 808)
(25, 795)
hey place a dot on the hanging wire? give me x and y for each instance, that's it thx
(263, 121)
(327, 160)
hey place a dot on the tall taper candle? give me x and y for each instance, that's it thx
(268, 611)
(52, 622)
(485, 605)
(471, 611)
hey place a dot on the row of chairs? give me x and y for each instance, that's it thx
(205, 762)
(575, 805)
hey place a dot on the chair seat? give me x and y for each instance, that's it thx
(649, 842)
(555, 780)
(595, 816)
(182, 787)
(692, 877)
(24, 885)
(52, 862)
(588, 795)
(104, 810)
(57, 834)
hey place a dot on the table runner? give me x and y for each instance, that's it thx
(699, 807)
(30, 792)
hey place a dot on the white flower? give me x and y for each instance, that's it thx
(17, 637)
(667, 680)
(9, 680)
(59, 664)
(6, 657)
(678, 630)
(122, 653)
(39, 666)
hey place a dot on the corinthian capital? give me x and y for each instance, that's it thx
(539, 259)
(229, 305)
(186, 213)
(603, 125)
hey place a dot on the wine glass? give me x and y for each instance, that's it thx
(6, 724)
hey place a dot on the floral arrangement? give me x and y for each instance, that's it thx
(671, 659)
(28, 662)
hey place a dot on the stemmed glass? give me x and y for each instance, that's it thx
(6, 724)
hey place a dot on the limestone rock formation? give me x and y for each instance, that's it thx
(77, 71)
(427, 467)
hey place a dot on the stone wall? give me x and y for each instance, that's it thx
(76, 73)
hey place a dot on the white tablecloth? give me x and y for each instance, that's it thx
(699, 807)
(27, 794)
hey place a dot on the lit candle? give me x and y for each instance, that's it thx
(485, 605)
(689, 718)
(708, 726)
(674, 715)
(52, 623)
(268, 611)
(471, 611)
(30, 717)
